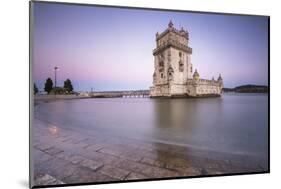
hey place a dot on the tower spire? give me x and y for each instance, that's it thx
(170, 24)
(219, 78)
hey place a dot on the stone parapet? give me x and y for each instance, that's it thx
(172, 43)
(182, 33)
(203, 82)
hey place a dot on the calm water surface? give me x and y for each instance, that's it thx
(235, 123)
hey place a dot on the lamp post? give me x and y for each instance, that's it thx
(56, 68)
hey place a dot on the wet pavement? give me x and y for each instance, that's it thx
(64, 156)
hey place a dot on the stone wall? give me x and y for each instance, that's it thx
(178, 89)
(159, 91)
(203, 87)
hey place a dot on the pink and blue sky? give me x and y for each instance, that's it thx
(111, 48)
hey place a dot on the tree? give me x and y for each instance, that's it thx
(35, 89)
(68, 86)
(48, 85)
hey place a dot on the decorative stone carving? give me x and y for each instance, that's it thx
(170, 73)
(181, 66)
(170, 24)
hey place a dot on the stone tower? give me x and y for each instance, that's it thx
(172, 65)
(173, 73)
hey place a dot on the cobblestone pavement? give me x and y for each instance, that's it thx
(64, 156)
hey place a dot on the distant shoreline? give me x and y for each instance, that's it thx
(119, 94)
(58, 97)
(52, 98)
(247, 89)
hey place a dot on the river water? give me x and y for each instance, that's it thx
(234, 123)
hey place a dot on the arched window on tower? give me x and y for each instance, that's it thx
(181, 67)
(170, 73)
(161, 66)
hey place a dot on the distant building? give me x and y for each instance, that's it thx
(173, 72)
(84, 94)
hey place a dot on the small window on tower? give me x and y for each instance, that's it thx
(162, 56)
(162, 75)
(180, 54)
(181, 66)
(161, 63)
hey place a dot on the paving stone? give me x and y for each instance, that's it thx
(96, 140)
(172, 163)
(105, 158)
(56, 167)
(64, 155)
(46, 179)
(76, 159)
(189, 171)
(110, 151)
(75, 140)
(152, 162)
(52, 151)
(136, 176)
(80, 145)
(94, 147)
(87, 177)
(152, 171)
(94, 165)
(131, 156)
(43, 146)
(56, 182)
(114, 172)
(72, 157)
(63, 138)
(39, 157)
(67, 139)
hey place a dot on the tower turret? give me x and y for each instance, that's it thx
(157, 34)
(170, 24)
(220, 78)
(196, 75)
(220, 81)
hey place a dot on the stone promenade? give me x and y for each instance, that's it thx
(64, 156)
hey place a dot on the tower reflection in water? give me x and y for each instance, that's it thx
(177, 124)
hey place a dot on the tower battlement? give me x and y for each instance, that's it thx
(172, 30)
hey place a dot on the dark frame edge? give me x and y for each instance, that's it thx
(31, 17)
(268, 80)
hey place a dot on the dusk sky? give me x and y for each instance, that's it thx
(111, 48)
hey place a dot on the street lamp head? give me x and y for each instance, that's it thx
(56, 68)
